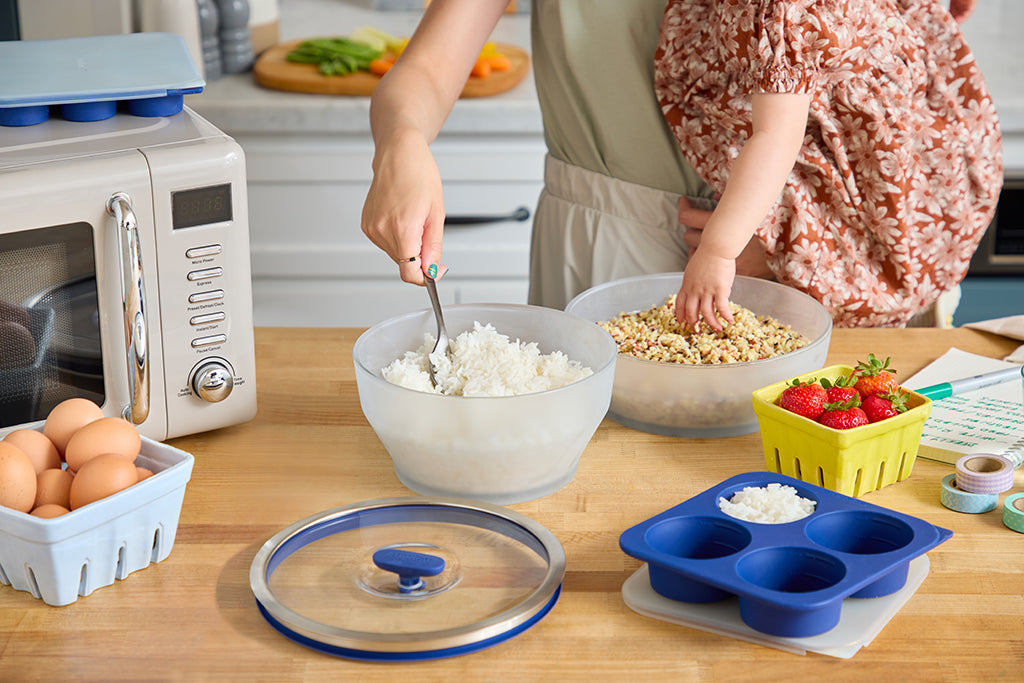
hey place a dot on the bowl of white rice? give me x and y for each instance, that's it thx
(523, 393)
(674, 381)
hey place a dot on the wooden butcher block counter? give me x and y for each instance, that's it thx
(193, 617)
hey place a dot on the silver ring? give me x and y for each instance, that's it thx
(411, 259)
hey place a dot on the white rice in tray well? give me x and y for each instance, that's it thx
(485, 363)
(772, 504)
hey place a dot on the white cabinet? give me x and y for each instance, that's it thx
(311, 263)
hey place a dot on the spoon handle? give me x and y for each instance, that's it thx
(436, 303)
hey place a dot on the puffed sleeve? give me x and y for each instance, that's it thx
(789, 41)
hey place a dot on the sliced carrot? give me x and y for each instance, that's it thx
(381, 65)
(481, 69)
(499, 62)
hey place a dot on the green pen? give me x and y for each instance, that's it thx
(959, 386)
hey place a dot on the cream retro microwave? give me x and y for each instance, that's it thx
(125, 273)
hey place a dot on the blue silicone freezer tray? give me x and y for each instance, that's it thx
(790, 578)
(84, 79)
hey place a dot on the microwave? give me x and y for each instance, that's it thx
(125, 273)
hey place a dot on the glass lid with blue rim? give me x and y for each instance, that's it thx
(407, 579)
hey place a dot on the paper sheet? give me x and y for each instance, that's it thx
(989, 420)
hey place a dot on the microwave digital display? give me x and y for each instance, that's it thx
(201, 206)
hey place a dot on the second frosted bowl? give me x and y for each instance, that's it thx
(703, 401)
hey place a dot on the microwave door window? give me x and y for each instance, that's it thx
(50, 346)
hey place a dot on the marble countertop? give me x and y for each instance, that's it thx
(238, 105)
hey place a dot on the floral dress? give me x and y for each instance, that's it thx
(901, 164)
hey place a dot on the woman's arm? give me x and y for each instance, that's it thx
(404, 209)
(757, 177)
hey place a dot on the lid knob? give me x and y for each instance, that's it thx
(409, 566)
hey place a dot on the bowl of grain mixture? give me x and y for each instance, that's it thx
(698, 383)
(520, 397)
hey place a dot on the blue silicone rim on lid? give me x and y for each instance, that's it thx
(508, 523)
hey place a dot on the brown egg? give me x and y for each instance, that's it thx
(105, 435)
(17, 478)
(67, 417)
(50, 510)
(39, 449)
(54, 486)
(144, 473)
(102, 476)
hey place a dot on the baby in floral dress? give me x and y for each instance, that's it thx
(855, 141)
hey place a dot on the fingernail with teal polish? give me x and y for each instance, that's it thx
(432, 270)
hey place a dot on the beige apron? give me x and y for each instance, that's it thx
(590, 228)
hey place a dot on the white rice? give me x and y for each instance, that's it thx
(485, 363)
(773, 504)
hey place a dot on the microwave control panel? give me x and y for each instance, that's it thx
(205, 284)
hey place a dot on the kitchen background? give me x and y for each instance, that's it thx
(308, 161)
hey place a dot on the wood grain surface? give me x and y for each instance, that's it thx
(192, 617)
(273, 70)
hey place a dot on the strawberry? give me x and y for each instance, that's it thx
(843, 415)
(840, 390)
(874, 376)
(803, 398)
(881, 406)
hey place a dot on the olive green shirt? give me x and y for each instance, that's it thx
(594, 67)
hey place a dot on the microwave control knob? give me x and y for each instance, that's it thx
(213, 382)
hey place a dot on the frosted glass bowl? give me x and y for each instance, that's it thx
(503, 450)
(703, 401)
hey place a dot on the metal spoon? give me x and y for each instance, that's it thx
(442, 345)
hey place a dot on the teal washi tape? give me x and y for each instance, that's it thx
(964, 501)
(1013, 512)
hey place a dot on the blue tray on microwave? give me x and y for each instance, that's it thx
(790, 578)
(86, 79)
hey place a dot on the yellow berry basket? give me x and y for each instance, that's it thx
(848, 461)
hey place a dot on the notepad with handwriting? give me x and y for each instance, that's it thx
(989, 420)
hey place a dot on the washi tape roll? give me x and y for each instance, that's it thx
(984, 473)
(1013, 512)
(959, 500)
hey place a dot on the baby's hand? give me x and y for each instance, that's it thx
(707, 283)
(962, 9)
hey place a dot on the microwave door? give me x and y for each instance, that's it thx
(67, 257)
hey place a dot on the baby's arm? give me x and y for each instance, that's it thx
(757, 177)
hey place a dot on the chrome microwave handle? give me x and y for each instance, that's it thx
(133, 299)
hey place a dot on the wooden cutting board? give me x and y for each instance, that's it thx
(273, 70)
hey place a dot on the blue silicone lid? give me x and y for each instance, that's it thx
(407, 579)
(92, 74)
(790, 578)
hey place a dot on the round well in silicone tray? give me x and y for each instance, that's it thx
(790, 578)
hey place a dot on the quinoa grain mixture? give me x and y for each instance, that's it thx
(655, 334)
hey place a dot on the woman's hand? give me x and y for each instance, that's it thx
(404, 209)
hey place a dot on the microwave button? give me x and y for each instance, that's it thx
(200, 342)
(205, 274)
(200, 252)
(207, 318)
(200, 297)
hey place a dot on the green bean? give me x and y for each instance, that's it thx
(334, 56)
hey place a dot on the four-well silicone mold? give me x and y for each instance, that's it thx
(790, 578)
